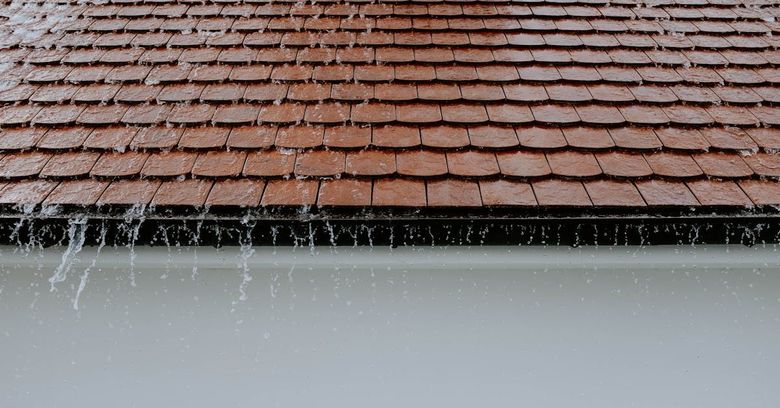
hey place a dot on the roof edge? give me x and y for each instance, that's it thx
(296, 226)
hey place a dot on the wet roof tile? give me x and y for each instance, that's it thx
(529, 103)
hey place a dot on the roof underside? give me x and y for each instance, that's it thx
(383, 104)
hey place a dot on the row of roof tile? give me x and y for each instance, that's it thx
(391, 92)
(391, 137)
(589, 9)
(392, 192)
(562, 23)
(382, 113)
(106, 74)
(418, 163)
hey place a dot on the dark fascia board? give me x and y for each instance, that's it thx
(304, 226)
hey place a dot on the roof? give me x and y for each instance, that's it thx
(473, 103)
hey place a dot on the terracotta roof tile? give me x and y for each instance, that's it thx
(182, 193)
(561, 193)
(290, 192)
(269, 163)
(453, 193)
(764, 164)
(523, 164)
(26, 192)
(761, 192)
(298, 137)
(345, 192)
(243, 193)
(370, 163)
(477, 95)
(722, 165)
(613, 193)
(347, 136)
(251, 137)
(219, 164)
(23, 164)
(506, 193)
(712, 192)
(119, 164)
(156, 138)
(421, 163)
(540, 137)
(673, 165)
(77, 192)
(169, 164)
(64, 138)
(492, 136)
(398, 193)
(573, 164)
(666, 193)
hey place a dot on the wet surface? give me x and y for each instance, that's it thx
(663, 326)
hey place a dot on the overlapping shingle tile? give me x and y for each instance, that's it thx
(440, 103)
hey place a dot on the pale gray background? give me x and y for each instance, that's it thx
(536, 327)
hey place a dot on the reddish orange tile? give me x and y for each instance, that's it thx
(666, 193)
(540, 137)
(472, 163)
(269, 163)
(344, 192)
(119, 164)
(418, 113)
(26, 191)
(635, 138)
(70, 164)
(77, 192)
(347, 136)
(399, 193)
(722, 165)
(156, 137)
(64, 138)
(282, 113)
(290, 192)
(396, 136)
(372, 113)
(506, 193)
(299, 137)
(573, 164)
(421, 163)
(763, 164)
(460, 113)
(219, 164)
(242, 193)
(561, 193)
(611, 193)
(182, 193)
(320, 163)
(370, 163)
(453, 193)
(126, 192)
(761, 192)
(20, 138)
(329, 113)
(169, 164)
(712, 192)
(673, 165)
(237, 114)
(252, 137)
(22, 164)
(588, 138)
(623, 164)
(523, 164)
(446, 136)
(110, 138)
